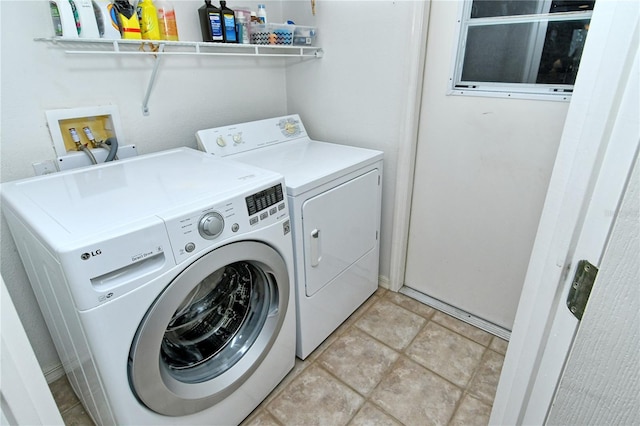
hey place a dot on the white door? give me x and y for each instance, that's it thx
(601, 381)
(482, 169)
(600, 142)
(25, 398)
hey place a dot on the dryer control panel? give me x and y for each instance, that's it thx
(243, 137)
(212, 224)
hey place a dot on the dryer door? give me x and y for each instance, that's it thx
(209, 329)
(340, 226)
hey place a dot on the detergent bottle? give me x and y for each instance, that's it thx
(148, 17)
(107, 18)
(64, 23)
(128, 20)
(87, 15)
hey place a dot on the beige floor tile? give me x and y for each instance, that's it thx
(446, 353)
(298, 368)
(77, 416)
(471, 412)
(391, 324)
(358, 360)
(260, 418)
(370, 415)
(410, 304)
(461, 327)
(63, 394)
(499, 345)
(415, 395)
(485, 382)
(315, 398)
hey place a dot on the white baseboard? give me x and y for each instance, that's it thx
(54, 373)
(457, 313)
(384, 282)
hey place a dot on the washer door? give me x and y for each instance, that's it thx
(209, 329)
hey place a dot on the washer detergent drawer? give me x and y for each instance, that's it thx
(340, 226)
(108, 269)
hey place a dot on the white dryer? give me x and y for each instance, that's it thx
(166, 282)
(334, 194)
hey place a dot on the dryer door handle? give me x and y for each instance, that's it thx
(316, 255)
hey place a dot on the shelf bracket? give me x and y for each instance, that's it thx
(152, 79)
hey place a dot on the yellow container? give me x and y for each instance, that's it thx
(130, 27)
(148, 15)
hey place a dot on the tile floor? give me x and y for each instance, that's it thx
(395, 361)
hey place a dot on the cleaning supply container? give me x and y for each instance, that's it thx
(167, 21)
(148, 16)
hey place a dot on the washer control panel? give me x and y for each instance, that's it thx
(209, 225)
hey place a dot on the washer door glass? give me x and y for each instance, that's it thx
(210, 328)
(216, 323)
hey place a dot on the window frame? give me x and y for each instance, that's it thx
(553, 92)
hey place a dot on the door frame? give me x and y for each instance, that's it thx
(408, 144)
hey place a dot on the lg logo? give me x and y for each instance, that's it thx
(87, 256)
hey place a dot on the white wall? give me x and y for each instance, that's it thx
(357, 93)
(190, 94)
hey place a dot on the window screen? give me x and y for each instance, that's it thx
(520, 46)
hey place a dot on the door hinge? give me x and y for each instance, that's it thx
(581, 288)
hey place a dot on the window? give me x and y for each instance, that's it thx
(520, 48)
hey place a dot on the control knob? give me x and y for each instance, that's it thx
(211, 225)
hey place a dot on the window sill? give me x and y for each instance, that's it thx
(555, 97)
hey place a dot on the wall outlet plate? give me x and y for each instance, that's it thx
(45, 167)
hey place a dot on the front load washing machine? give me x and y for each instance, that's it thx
(166, 282)
(334, 194)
